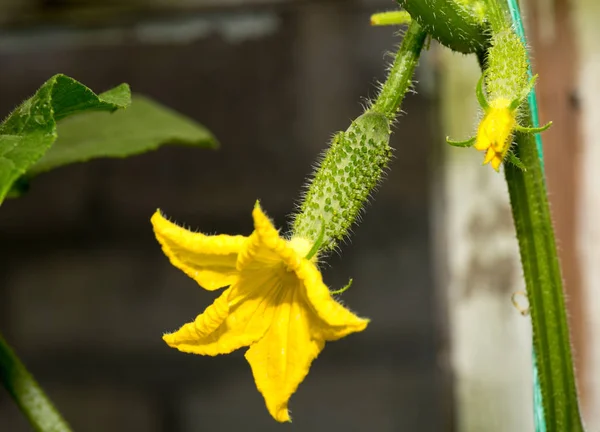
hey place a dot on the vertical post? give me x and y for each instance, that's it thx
(585, 88)
(490, 342)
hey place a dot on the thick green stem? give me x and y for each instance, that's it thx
(28, 395)
(541, 268)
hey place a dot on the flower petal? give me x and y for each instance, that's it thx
(209, 260)
(482, 141)
(245, 311)
(266, 249)
(265, 229)
(335, 320)
(264, 245)
(206, 323)
(282, 358)
(489, 156)
(496, 162)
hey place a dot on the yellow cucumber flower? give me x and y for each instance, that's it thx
(497, 127)
(495, 131)
(507, 86)
(276, 303)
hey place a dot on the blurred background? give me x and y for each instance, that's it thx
(86, 293)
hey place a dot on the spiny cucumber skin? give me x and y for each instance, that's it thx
(458, 24)
(351, 169)
(506, 76)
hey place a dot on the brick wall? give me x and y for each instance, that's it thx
(85, 292)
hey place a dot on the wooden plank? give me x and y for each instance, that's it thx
(585, 85)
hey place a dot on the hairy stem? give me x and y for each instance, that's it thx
(28, 395)
(400, 76)
(553, 360)
(543, 279)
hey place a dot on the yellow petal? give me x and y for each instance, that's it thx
(246, 311)
(265, 229)
(495, 129)
(282, 358)
(489, 156)
(209, 260)
(203, 325)
(332, 321)
(265, 249)
(496, 162)
(482, 141)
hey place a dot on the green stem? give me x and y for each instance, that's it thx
(515, 14)
(399, 79)
(28, 395)
(543, 279)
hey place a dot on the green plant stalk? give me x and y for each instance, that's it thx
(543, 279)
(539, 419)
(400, 76)
(515, 14)
(28, 395)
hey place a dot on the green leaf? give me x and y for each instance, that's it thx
(31, 129)
(144, 126)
